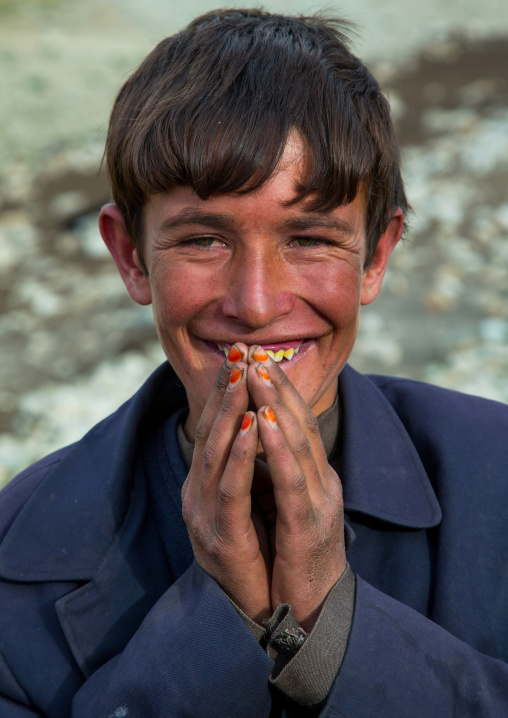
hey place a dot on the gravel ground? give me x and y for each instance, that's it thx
(74, 346)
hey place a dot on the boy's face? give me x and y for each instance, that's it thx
(249, 268)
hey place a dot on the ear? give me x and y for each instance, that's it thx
(118, 241)
(374, 273)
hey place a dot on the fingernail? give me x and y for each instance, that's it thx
(269, 417)
(246, 424)
(234, 355)
(234, 377)
(259, 354)
(263, 374)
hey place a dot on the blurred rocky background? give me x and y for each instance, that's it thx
(74, 346)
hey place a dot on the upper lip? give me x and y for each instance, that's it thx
(261, 342)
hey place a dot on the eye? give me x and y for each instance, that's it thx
(203, 242)
(309, 241)
(306, 241)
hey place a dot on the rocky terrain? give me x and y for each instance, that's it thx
(74, 346)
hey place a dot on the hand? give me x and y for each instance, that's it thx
(287, 545)
(308, 544)
(231, 545)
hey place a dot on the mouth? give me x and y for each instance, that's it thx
(279, 351)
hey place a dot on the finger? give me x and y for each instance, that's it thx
(237, 353)
(290, 480)
(234, 491)
(291, 397)
(229, 545)
(209, 461)
(307, 449)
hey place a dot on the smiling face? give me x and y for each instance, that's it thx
(249, 268)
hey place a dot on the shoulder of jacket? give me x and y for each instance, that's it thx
(400, 390)
(449, 427)
(17, 492)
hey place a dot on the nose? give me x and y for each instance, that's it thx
(259, 290)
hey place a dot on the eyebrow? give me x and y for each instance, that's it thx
(203, 219)
(316, 220)
(228, 221)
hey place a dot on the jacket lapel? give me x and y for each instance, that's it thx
(99, 618)
(86, 523)
(381, 471)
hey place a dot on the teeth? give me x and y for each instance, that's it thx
(276, 356)
(282, 354)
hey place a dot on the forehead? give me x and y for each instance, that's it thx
(272, 204)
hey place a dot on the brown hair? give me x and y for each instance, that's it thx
(212, 106)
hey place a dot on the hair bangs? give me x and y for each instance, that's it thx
(213, 107)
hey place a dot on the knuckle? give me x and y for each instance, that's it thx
(186, 512)
(201, 433)
(229, 404)
(197, 527)
(304, 520)
(218, 549)
(338, 500)
(187, 507)
(211, 547)
(297, 483)
(321, 537)
(327, 530)
(303, 449)
(322, 522)
(278, 402)
(209, 458)
(311, 423)
(222, 378)
(335, 489)
(239, 455)
(226, 494)
(322, 546)
(280, 379)
(221, 382)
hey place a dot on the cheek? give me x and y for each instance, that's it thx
(336, 294)
(178, 293)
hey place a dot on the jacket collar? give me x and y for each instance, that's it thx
(381, 471)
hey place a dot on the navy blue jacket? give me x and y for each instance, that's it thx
(94, 616)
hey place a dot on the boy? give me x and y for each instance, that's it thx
(197, 554)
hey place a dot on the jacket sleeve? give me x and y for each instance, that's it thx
(399, 663)
(192, 656)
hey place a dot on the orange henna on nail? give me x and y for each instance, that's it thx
(263, 374)
(259, 354)
(234, 354)
(235, 376)
(246, 424)
(269, 417)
